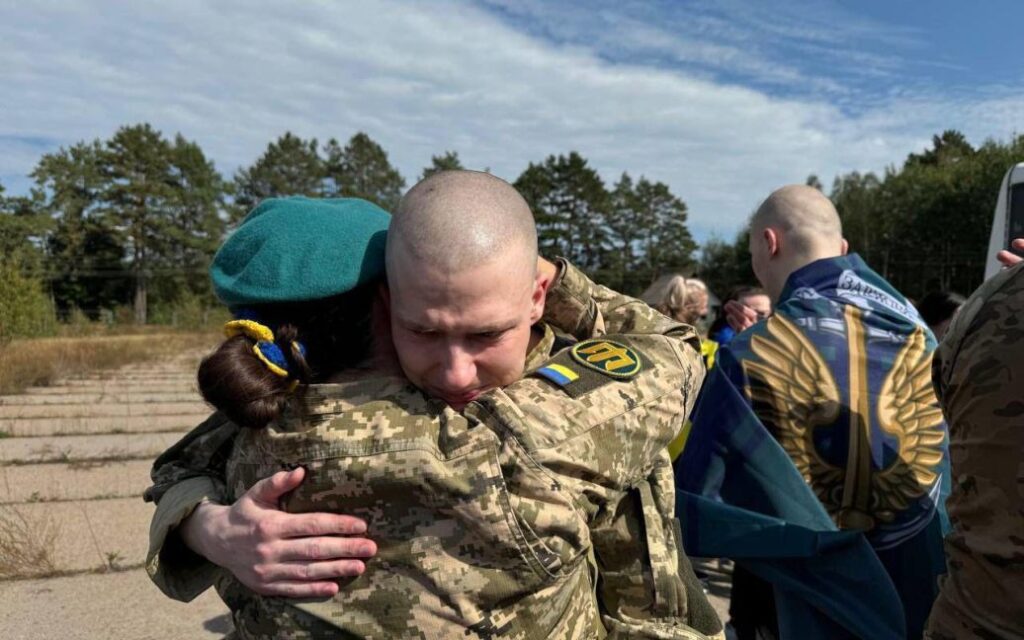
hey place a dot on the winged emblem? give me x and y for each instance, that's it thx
(793, 392)
(909, 412)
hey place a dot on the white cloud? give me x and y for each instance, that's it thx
(424, 77)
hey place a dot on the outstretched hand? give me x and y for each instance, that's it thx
(1008, 258)
(276, 553)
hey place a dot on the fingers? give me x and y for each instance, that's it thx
(269, 490)
(738, 308)
(1009, 259)
(297, 589)
(293, 572)
(739, 316)
(318, 524)
(323, 548)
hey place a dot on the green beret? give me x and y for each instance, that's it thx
(290, 249)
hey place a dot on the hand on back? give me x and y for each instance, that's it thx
(276, 553)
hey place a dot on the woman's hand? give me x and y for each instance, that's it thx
(276, 553)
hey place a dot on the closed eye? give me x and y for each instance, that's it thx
(490, 335)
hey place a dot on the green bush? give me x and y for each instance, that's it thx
(77, 323)
(189, 311)
(26, 311)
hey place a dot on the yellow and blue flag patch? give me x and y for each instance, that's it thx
(559, 374)
(591, 364)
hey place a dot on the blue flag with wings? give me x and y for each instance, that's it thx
(820, 431)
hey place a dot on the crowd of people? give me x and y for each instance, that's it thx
(424, 429)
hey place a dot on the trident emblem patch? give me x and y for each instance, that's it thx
(608, 357)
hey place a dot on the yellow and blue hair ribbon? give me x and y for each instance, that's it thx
(269, 353)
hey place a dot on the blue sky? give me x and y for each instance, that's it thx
(723, 100)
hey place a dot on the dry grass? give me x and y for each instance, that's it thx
(41, 361)
(27, 546)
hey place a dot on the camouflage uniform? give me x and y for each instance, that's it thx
(539, 512)
(979, 377)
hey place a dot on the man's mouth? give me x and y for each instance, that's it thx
(459, 399)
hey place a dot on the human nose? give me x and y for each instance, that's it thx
(459, 369)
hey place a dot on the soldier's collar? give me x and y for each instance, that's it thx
(541, 351)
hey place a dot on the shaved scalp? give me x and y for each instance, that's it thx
(804, 215)
(454, 220)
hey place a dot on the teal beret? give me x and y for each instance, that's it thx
(291, 249)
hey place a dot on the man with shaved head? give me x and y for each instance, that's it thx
(464, 287)
(840, 377)
(576, 454)
(795, 226)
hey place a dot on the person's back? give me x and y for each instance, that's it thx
(840, 377)
(454, 557)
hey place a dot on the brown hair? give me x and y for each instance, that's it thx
(336, 333)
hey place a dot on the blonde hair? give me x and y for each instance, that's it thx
(677, 297)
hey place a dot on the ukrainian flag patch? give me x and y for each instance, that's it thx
(559, 374)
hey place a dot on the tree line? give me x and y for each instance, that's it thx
(134, 220)
(923, 225)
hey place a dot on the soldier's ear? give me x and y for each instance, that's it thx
(541, 284)
(773, 242)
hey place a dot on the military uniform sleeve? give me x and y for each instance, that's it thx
(190, 472)
(647, 589)
(979, 374)
(602, 439)
(582, 308)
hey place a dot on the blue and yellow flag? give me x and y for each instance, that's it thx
(820, 431)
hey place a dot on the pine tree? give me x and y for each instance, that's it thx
(85, 250)
(139, 196)
(668, 245)
(198, 225)
(290, 166)
(23, 231)
(625, 220)
(569, 202)
(648, 234)
(361, 170)
(447, 162)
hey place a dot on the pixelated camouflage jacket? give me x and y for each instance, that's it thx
(979, 378)
(484, 521)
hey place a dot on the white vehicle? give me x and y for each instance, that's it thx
(1008, 222)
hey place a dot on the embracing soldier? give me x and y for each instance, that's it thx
(497, 504)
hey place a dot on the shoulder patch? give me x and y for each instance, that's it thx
(608, 357)
(559, 374)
